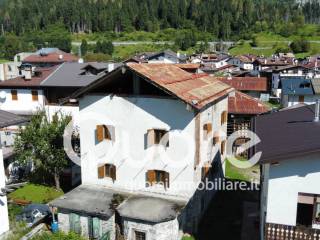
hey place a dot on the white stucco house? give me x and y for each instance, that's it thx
(244, 62)
(147, 134)
(290, 196)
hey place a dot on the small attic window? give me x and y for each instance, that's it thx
(305, 85)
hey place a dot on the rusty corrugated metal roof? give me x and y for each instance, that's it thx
(242, 103)
(246, 83)
(197, 90)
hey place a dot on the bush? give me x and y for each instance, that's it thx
(300, 46)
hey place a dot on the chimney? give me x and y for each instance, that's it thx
(316, 111)
(60, 56)
(110, 67)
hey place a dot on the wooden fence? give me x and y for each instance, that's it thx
(283, 232)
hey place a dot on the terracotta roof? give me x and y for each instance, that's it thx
(246, 83)
(53, 57)
(33, 82)
(242, 103)
(246, 58)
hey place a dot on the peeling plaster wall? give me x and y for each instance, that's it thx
(132, 117)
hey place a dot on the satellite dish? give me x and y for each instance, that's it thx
(3, 95)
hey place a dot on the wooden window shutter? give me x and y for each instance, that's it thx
(151, 137)
(100, 133)
(204, 170)
(34, 94)
(151, 177)
(166, 180)
(101, 172)
(223, 147)
(113, 172)
(14, 95)
(209, 127)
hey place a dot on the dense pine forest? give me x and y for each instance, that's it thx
(222, 18)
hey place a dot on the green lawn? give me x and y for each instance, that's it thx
(36, 193)
(248, 174)
(3, 60)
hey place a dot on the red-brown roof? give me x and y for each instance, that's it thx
(246, 83)
(54, 57)
(196, 89)
(242, 103)
(188, 65)
(33, 82)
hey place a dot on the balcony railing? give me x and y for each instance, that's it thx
(279, 232)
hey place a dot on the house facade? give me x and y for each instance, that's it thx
(244, 62)
(299, 90)
(136, 124)
(290, 172)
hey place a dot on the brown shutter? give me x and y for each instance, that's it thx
(166, 180)
(225, 116)
(223, 147)
(151, 177)
(209, 127)
(34, 95)
(101, 172)
(14, 95)
(151, 137)
(113, 172)
(100, 133)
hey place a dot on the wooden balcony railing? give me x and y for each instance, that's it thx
(284, 232)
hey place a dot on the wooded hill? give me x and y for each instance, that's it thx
(225, 19)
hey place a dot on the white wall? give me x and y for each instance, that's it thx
(286, 180)
(162, 231)
(132, 117)
(291, 100)
(9, 70)
(4, 225)
(24, 104)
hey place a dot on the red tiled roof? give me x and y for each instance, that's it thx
(247, 83)
(244, 104)
(33, 82)
(197, 90)
(51, 58)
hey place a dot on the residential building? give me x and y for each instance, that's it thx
(299, 90)
(288, 71)
(144, 138)
(290, 195)
(6, 119)
(244, 62)
(166, 56)
(256, 87)
(261, 64)
(48, 57)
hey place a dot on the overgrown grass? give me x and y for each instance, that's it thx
(36, 193)
(247, 174)
(3, 60)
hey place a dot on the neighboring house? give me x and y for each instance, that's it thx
(290, 195)
(256, 87)
(6, 119)
(297, 90)
(244, 62)
(288, 71)
(10, 70)
(48, 57)
(261, 64)
(136, 115)
(166, 56)
(23, 95)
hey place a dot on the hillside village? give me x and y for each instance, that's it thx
(146, 132)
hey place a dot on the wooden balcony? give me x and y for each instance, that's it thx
(284, 232)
